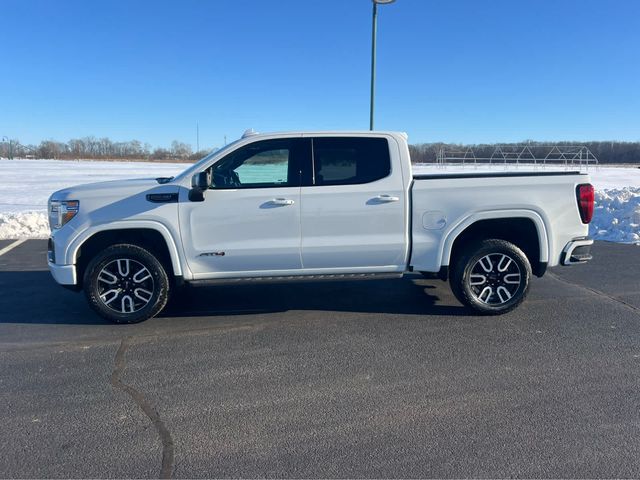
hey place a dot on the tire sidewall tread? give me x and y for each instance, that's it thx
(463, 265)
(134, 252)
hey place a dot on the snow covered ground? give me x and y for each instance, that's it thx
(25, 186)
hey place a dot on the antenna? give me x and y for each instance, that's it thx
(249, 133)
(197, 137)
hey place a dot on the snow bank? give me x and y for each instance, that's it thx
(25, 186)
(617, 215)
(24, 225)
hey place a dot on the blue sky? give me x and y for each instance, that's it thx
(454, 70)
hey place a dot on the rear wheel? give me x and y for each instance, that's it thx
(492, 278)
(126, 284)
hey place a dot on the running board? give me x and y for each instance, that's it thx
(295, 278)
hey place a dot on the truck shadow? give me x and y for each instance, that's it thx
(409, 296)
(33, 297)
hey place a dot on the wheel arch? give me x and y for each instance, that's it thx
(152, 236)
(524, 228)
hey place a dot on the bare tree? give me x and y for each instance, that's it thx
(180, 149)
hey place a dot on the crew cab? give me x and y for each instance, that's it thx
(316, 206)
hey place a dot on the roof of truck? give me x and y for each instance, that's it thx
(304, 133)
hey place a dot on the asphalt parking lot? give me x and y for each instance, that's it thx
(347, 379)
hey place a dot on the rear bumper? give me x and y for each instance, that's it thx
(63, 274)
(577, 251)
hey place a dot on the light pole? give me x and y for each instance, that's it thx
(374, 32)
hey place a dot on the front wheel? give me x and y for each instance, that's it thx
(126, 284)
(492, 277)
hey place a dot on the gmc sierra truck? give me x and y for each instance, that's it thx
(308, 206)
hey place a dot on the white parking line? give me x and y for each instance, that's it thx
(11, 246)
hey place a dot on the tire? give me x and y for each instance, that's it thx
(126, 284)
(491, 277)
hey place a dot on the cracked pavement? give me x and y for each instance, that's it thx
(346, 379)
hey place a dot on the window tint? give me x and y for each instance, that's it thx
(270, 163)
(343, 161)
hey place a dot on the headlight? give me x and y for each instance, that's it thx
(60, 212)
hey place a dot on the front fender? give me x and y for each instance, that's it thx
(71, 252)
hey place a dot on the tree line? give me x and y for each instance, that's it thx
(93, 148)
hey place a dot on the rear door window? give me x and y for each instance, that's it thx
(348, 161)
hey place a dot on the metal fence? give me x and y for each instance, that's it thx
(571, 156)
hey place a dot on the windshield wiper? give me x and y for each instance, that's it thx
(162, 180)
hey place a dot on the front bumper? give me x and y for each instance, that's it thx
(63, 274)
(577, 251)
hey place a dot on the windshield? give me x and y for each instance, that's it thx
(196, 167)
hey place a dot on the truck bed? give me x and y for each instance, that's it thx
(446, 203)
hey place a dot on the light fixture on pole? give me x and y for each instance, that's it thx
(374, 31)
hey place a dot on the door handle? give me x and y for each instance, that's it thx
(387, 198)
(282, 201)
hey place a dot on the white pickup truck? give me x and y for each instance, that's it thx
(315, 206)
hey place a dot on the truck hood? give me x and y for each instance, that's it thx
(114, 188)
(120, 200)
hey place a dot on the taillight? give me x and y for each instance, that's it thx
(586, 200)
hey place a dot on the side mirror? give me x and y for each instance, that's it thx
(200, 183)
